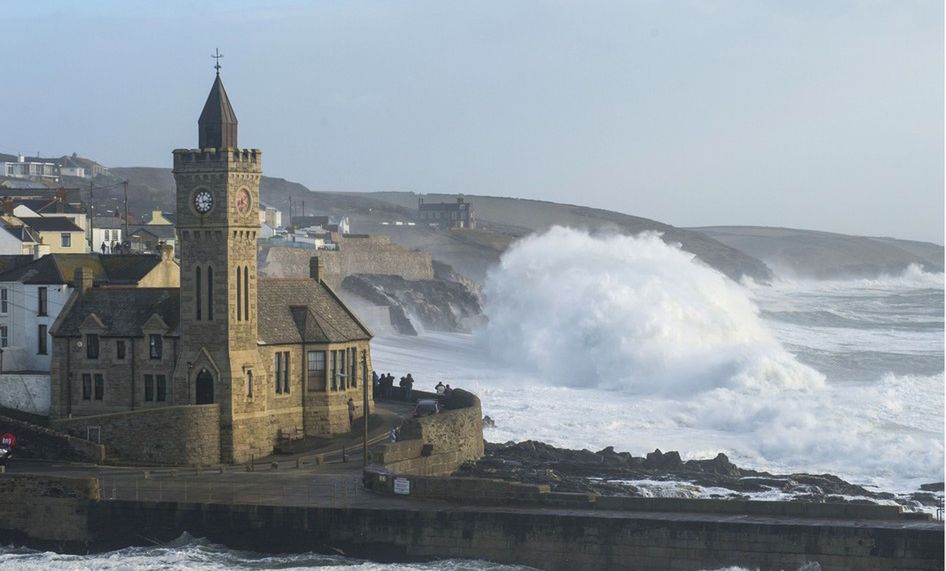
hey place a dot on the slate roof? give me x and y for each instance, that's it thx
(123, 311)
(106, 222)
(21, 233)
(217, 125)
(50, 224)
(114, 269)
(9, 262)
(159, 231)
(297, 310)
(47, 205)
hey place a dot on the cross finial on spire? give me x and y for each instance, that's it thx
(217, 57)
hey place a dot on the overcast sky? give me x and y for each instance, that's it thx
(824, 114)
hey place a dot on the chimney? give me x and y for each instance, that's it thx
(167, 251)
(8, 205)
(83, 280)
(40, 250)
(460, 199)
(155, 214)
(316, 268)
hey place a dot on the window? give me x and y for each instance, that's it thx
(246, 293)
(99, 386)
(43, 301)
(149, 388)
(161, 394)
(342, 361)
(41, 338)
(86, 386)
(4, 305)
(120, 350)
(199, 292)
(92, 346)
(316, 370)
(334, 370)
(239, 303)
(65, 239)
(285, 373)
(155, 346)
(278, 372)
(249, 384)
(210, 293)
(4, 336)
(354, 366)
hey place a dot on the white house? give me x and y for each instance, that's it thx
(106, 230)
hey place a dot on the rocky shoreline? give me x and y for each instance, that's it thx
(607, 472)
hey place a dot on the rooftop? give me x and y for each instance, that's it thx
(50, 224)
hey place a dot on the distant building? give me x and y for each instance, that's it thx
(106, 230)
(149, 238)
(459, 214)
(270, 216)
(18, 166)
(17, 239)
(159, 218)
(34, 291)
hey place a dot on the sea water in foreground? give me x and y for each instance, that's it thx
(626, 342)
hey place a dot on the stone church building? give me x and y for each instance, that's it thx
(250, 359)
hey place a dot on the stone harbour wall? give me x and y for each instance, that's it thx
(437, 444)
(34, 441)
(177, 435)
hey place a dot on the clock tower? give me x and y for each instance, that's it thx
(217, 224)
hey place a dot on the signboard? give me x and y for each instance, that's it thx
(8, 440)
(402, 486)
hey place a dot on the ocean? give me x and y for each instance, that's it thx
(628, 342)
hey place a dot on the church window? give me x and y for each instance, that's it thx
(161, 388)
(149, 388)
(278, 372)
(239, 303)
(210, 293)
(316, 370)
(120, 350)
(155, 346)
(199, 291)
(4, 308)
(86, 386)
(92, 346)
(43, 301)
(246, 293)
(41, 337)
(249, 384)
(285, 373)
(4, 336)
(99, 386)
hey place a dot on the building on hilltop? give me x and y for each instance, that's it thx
(459, 214)
(229, 362)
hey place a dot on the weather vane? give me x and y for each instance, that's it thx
(217, 57)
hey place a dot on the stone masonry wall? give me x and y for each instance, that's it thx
(34, 441)
(437, 444)
(176, 435)
(355, 255)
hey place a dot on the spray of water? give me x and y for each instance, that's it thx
(630, 313)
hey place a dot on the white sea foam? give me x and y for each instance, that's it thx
(630, 313)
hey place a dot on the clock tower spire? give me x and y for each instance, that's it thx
(217, 226)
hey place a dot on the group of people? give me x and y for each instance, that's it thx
(383, 386)
(444, 391)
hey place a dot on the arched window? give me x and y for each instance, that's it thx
(239, 303)
(199, 291)
(246, 293)
(210, 293)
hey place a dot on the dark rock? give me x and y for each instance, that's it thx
(934, 487)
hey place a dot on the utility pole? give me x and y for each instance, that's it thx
(364, 386)
(290, 210)
(125, 221)
(91, 217)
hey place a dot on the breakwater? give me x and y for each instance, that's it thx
(417, 530)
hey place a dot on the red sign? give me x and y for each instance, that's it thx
(8, 440)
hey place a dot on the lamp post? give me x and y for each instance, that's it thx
(364, 389)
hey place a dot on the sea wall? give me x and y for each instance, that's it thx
(181, 435)
(46, 509)
(33, 441)
(355, 255)
(28, 392)
(437, 444)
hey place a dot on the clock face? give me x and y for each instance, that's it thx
(243, 201)
(203, 201)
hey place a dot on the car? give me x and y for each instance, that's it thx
(426, 407)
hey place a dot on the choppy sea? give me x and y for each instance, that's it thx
(626, 342)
